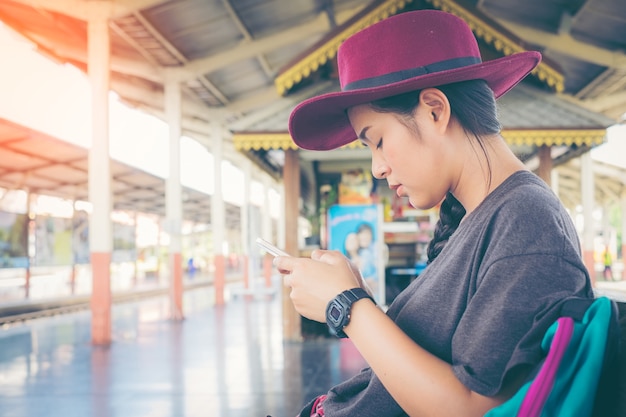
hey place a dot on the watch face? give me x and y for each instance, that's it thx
(338, 310)
(334, 312)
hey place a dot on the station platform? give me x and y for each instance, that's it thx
(226, 361)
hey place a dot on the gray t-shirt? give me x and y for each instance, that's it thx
(484, 304)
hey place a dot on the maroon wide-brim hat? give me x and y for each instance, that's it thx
(406, 52)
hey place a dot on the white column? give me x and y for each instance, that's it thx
(554, 181)
(218, 216)
(266, 219)
(100, 227)
(245, 220)
(173, 197)
(281, 217)
(588, 203)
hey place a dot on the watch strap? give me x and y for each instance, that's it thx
(346, 299)
(356, 294)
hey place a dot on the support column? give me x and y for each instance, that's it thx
(266, 232)
(245, 221)
(555, 181)
(291, 175)
(545, 164)
(30, 219)
(173, 198)
(218, 217)
(100, 227)
(281, 224)
(136, 263)
(587, 193)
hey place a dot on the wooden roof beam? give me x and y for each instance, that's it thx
(254, 48)
(81, 9)
(565, 44)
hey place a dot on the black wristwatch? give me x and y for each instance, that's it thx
(338, 310)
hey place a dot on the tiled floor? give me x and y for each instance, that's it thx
(226, 361)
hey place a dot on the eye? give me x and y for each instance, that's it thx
(379, 145)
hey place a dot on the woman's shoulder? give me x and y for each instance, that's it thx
(524, 193)
(522, 206)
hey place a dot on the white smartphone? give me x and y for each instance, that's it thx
(271, 249)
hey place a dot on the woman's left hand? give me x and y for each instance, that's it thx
(316, 281)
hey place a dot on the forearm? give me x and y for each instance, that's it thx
(421, 383)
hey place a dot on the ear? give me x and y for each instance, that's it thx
(435, 104)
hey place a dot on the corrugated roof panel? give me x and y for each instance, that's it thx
(197, 28)
(264, 18)
(602, 23)
(529, 107)
(238, 80)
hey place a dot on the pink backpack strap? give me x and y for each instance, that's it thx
(541, 387)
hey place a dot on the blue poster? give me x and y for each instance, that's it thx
(356, 231)
(13, 240)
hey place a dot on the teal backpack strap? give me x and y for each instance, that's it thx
(576, 352)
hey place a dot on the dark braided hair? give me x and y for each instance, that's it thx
(451, 213)
(473, 105)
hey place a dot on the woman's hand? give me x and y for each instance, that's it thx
(316, 281)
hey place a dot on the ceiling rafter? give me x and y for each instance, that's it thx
(160, 39)
(167, 48)
(247, 35)
(81, 9)
(250, 49)
(565, 44)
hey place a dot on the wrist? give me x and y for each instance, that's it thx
(339, 309)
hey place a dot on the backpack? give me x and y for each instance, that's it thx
(579, 374)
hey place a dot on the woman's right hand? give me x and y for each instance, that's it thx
(316, 281)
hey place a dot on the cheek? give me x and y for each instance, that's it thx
(423, 176)
(409, 162)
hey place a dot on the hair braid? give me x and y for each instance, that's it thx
(450, 215)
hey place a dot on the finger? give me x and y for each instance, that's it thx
(287, 280)
(317, 253)
(284, 264)
(332, 257)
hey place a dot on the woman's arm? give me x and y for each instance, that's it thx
(421, 383)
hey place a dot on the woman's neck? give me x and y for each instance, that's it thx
(485, 171)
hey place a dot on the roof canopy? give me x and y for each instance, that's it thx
(488, 32)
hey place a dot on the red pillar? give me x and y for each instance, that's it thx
(27, 283)
(267, 269)
(73, 279)
(101, 298)
(590, 263)
(219, 280)
(176, 286)
(246, 273)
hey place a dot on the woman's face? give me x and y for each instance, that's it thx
(365, 238)
(415, 161)
(352, 243)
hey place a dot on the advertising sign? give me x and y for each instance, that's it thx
(356, 231)
(13, 240)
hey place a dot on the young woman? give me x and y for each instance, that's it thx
(461, 338)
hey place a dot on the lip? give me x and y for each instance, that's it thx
(398, 189)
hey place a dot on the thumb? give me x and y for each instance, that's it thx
(284, 264)
(331, 257)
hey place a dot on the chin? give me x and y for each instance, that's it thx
(422, 205)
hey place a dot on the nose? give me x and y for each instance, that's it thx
(380, 169)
